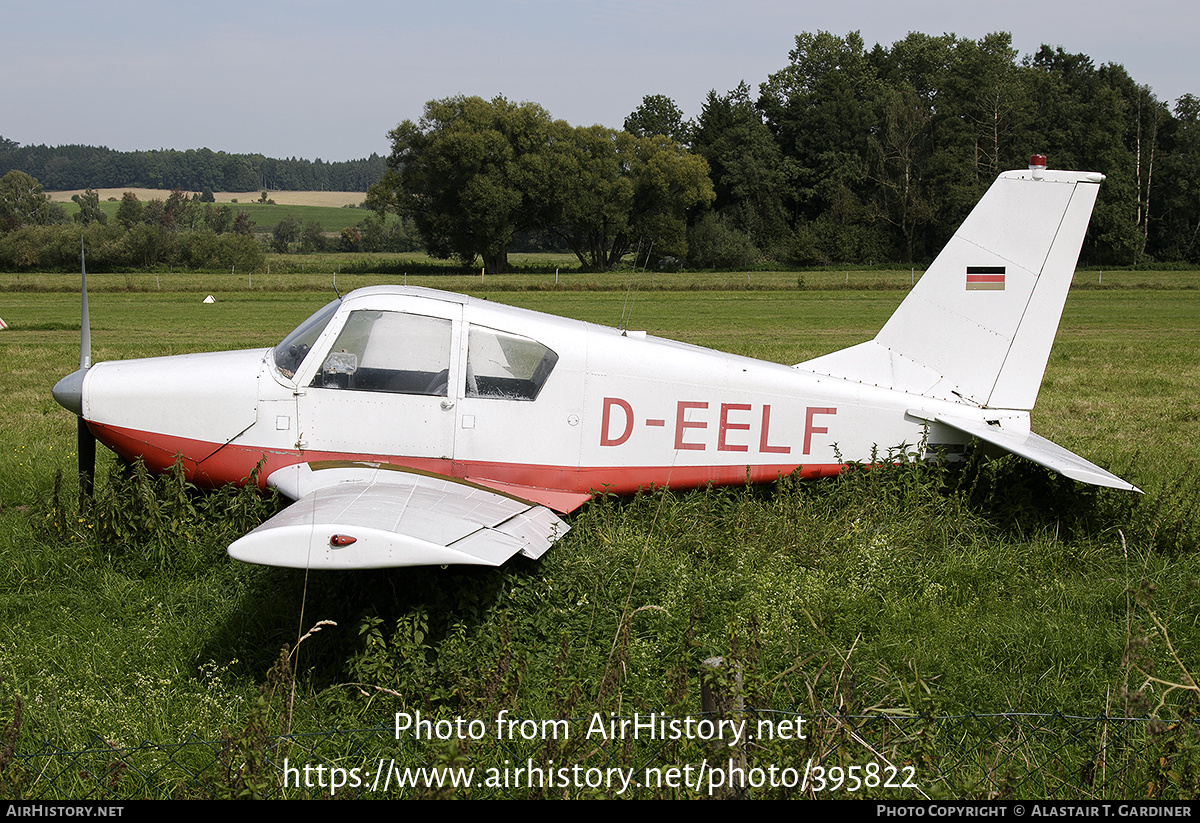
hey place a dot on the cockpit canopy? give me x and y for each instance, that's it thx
(404, 352)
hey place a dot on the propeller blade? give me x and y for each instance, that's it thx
(85, 326)
(85, 440)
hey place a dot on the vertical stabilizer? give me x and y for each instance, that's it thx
(979, 325)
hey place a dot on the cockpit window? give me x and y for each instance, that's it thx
(387, 351)
(506, 366)
(289, 354)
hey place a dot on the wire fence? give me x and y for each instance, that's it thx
(750, 754)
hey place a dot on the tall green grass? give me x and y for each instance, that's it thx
(910, 588)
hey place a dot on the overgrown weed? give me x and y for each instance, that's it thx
(252, 756)
(146, 524)
(904, 587)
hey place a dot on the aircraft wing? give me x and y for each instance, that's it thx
(365, 516)
(1036, 448)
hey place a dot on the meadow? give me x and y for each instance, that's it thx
(327, 199)
(907, 589)
(325, 207)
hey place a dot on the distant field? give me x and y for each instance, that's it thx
(329, 199)
(326, 208)
(332, 218)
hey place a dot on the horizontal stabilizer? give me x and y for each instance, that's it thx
(384, 519)
(1040, 450)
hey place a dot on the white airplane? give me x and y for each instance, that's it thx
(418, 427)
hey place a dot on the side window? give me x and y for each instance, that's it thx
(506, 366)
(389, 352)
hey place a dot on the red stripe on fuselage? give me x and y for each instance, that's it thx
(211, 464)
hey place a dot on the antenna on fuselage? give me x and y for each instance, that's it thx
(627, 309)
(629, 285)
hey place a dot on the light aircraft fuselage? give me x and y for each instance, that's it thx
(614, 412)
(416, 426)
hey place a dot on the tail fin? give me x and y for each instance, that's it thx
(978, 327)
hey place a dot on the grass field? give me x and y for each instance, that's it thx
(1001, 589)
(548, 272)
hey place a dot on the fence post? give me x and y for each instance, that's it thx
(721, 695)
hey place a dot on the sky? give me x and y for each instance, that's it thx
(316, 79)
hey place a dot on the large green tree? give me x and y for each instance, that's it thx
(1081, 122)
(605, 193)
(462, 173)
(129, 212)
(89, 208)
(748, 170)
(1177, 233)
(23, 203)
(658, 114)
(821, 109)
(473, 173)
(910, 127)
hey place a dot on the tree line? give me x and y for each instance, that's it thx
(845, 155)
(849, 154)
(182, 230)
(35, 234)
(60, 168)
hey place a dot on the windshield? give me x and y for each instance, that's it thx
(290, 352)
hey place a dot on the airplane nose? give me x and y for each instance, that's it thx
(68, 392)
